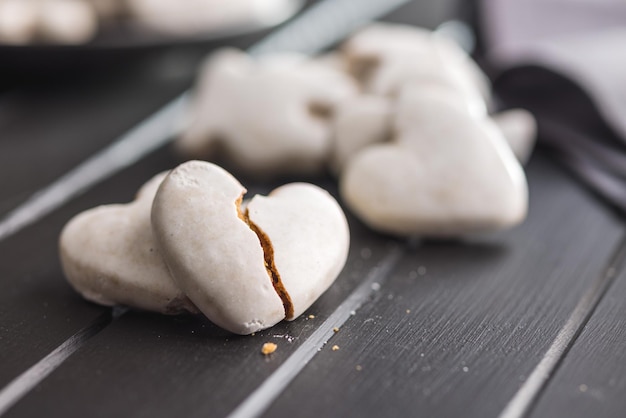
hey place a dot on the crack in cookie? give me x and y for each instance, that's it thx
(268, 253)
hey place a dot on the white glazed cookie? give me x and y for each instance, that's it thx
(447, 173)
(240, 268)
(67, 21)
(367, 119)
(268, 116)
(385, 57)
(109, 256)
(212, 253)
(192, 17)
(57, 21)
(18, 21)
(307, 233)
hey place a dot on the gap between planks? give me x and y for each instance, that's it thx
(131, 147)
(526, 397)
(26, 381)
(261, 399)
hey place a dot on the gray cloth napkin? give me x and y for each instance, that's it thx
(566, 62)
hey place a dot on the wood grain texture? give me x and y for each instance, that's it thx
(47, 131)
(457, 328)
(592, 378)
(491, 307)
(161, 366)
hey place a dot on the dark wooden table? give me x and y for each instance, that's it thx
(528, 322)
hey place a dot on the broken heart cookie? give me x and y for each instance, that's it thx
(306, 235)
(266, 116)
(109, 256)
(446, 173)
(385, 57)
(247, 271)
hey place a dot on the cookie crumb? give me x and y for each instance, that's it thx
(358, 368)
(335, 329)
(268, 348)
(408, 311)
(311, 316)
(335, 348)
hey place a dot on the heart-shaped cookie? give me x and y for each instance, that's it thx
(365, 120)
(267, 116)
(109, 256)
(247, 271)
(307, 234)
(385, 57)
(446, 173)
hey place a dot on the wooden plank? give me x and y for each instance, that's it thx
(48, 130)
(155, 365)
(492, 307)
(39, 310)
(458, 328)
(592, 378)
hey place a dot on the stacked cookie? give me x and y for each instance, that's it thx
(399, 114)
(190, 243)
